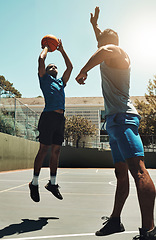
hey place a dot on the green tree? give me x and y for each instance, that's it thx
(147, 110)
(7, 124)
(8, 88)
(68, 129)
(76, 127)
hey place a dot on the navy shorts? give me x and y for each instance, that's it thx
(51, 128)
(124, 139)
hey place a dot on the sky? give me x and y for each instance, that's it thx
(23, 23)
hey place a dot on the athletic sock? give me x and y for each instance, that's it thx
(35, 180)
(53, 178)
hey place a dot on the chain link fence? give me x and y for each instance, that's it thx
(17, 118)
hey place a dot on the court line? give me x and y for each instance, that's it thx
(114, 183)
(74, 194)
(64, 236)
(40, 180)
(84, 194)
(9, 189)
(54, 236)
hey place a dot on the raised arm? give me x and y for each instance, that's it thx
(68, 63)
(41, 62)
(93, 20)
(102, 54)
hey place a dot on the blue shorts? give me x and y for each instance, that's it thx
(124, 139)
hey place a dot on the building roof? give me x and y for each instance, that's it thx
(72, 101)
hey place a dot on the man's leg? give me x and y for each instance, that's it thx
(145, 190)
(113, 224)
(122, 188)
(34, 193)
(43, 149)
(54, 160)
(53, 164)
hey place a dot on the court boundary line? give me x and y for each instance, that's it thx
(65, 235)
(9, 189)
(69, 193)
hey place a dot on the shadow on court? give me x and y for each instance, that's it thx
(88, 194)
(27, 225)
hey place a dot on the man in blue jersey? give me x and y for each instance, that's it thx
(51, 123)
(122, 122)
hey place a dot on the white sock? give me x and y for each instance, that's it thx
(53, 180)
(35, 180)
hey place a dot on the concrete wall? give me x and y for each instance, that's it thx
(16, 153)
(150, 159)
(85, 157)
(93, 158)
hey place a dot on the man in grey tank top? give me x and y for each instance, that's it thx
(122, 122)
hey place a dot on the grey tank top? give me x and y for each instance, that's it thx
(115, 88)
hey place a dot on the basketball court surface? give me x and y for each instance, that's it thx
(88, 195)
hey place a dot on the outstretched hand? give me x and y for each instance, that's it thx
(81, 77)
(60, 46)
(93, 19)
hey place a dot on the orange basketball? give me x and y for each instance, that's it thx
(50, 41)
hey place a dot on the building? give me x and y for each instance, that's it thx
(91, 108)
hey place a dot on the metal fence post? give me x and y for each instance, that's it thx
(15, 118)
(26, 124)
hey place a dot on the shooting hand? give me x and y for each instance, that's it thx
(60, 46)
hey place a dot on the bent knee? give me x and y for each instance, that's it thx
(122, 177)
(137, 168)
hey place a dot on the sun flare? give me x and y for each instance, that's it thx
(142, 45)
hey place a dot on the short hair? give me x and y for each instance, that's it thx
(110, 35)
(49, 65)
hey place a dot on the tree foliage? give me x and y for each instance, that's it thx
(8, 88)
(147, 110)
(7, 124)
(76, 127)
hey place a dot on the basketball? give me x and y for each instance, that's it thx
(50, 41)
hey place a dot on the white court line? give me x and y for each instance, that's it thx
(9, 189)
(64, 236)
(76, 194)
(114, 183)
(54, 236)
